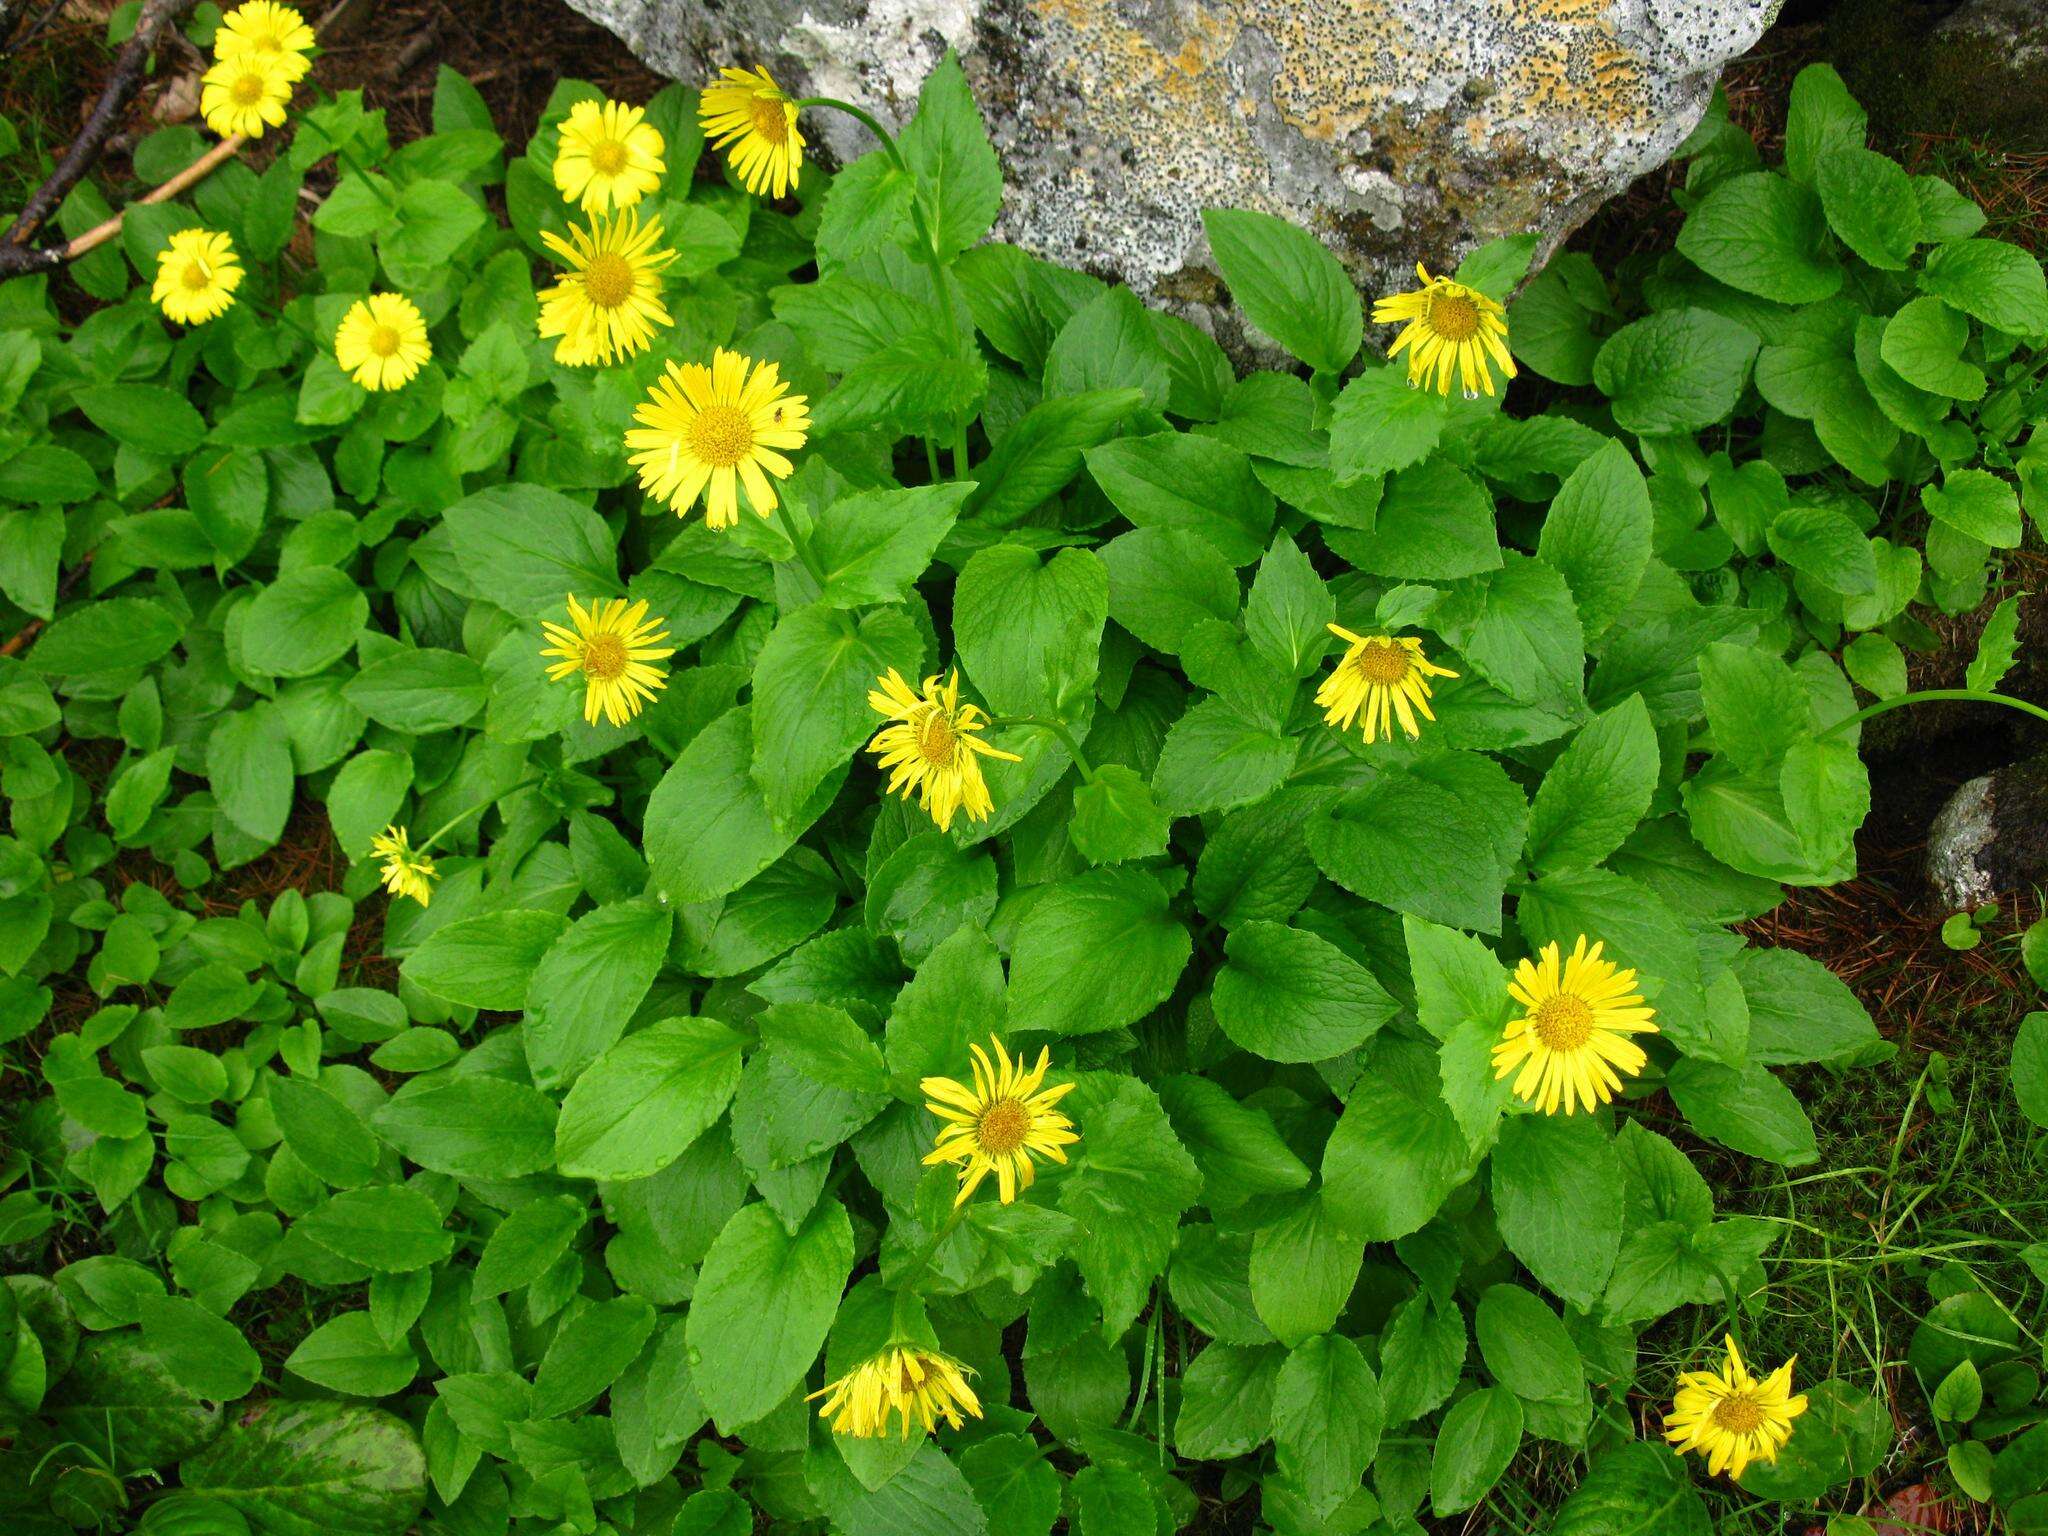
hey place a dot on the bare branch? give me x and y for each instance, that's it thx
(122, 84)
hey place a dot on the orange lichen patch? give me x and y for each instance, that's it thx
(1170, 102)
(1350, 73)
(1579, 70)
(1355, 64)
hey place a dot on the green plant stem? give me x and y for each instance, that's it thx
(1159, 1390)
(1934, 695)
(866, 119)
(927, 247)
(475, 810)
(1057, 729)
(800, 538)
(931, 1248)
(1145, 1368)
(277, 312)
(347, 157)
(1734, 1302)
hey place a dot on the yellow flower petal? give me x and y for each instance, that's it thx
(998, 1125)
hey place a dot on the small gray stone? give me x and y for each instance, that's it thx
(1992, 836)
(2012, 33)
(1397, 130)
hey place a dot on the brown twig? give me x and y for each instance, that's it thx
(421, 44)
(16, 255)
(11, 12)
(66, 584)
(101, 233)
(23, 258)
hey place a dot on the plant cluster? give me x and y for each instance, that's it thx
(787, 644)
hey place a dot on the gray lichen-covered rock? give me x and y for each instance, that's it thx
(1396, 129)
(1992, 836)
(1979, 69)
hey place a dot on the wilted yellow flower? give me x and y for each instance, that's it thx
(1384, 676)
(707, 431)
(197, 274)
(747, 108)
(914, 1384)
(607, 305)
(609, 157)
(1731, 1417)
(407, 870)
(382, 341)
(267, 31)
(933, 750)
(996, 1126)
(245, 93)
(612, 648)
(1573, 1043)
(1449, 326)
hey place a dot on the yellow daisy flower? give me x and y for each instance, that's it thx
(245, 93)
(707, 431)
(996, 1126)
(608, 304)
(912, 1383)
(382, 341)
(196, 276)
(748, 108)
(1384, 676)
(1449, 326)
(609, 158)
(611, 645)
(932, 747)
(407, 870)
(1731, 1417)
(268, 31)
(1573, 1042)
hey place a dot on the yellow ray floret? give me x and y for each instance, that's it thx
(747, 111)
(1450, 328)
(382, 341)
(1000, 1124)
(754, 119)
(709, 431)
(914, 1385)
(245, 94)
(197, 274)
(607, 305)
(1731, 1417)
(609, 157)
(933, 747)
(407, 870)
(267, 31)
(1572, 1042)
(614, 646)
(1385, 677)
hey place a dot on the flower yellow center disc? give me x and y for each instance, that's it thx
(1738, 1415)
(605, 658)
(936, 740)
(385, 341)
(1563, 1022)
(721, 435)
(248, 89)
(1453, 317)
(608, 157)
(1382, 663)
(608, 280)
(771, 119)
(1002, 1126)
